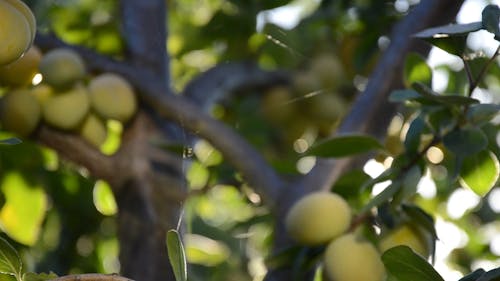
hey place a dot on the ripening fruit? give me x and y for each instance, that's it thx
(21, 71)
(306, 82)
(15, 33)
(327, 107)
(67, 110)
(317, 218)
(93, 130)
(328, 68)
(28, 14)
(349, 258)
(20, 112)
(112, 97)
(42, 92)
(404, 235)
(277, 105)
(62, 68)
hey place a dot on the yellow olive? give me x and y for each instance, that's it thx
(62, 68)
(404, 235)
(20, 112)
(67, 110)
(112, 97)
(349, 258)
(93, 130)
(15, 33)
(21, 71)
(318, 218)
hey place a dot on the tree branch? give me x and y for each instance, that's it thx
(371, 111)
(145, 31)
(236, 150)
(77, 150)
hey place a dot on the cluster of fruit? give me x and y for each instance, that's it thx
(17, 30)
(65, 99)
(312, 101)
(324, 218)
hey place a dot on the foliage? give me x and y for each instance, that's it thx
(448, 135)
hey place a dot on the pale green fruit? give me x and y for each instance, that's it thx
(67, 110)
(62, 68)
(20, 112)
(28, 15)
(349, 258)
(42, 92)
(15, 33)
(404, 235)
(278, 105)
(21, 71)
(93, 130)
(318, 218)
(112, 97)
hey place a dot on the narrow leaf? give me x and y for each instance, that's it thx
(479, 114)
(403, 95)
(419, 216)
(429, 94)
(490, 20)
(449, 30)
(10, 263)
(403, 264)
(412, 139)
(417, 70)
(480, 172)
(176, 255)
(11, 141)
(383, 196)
(492, 275)
(473, 276)
(344, 146)
(465, 142)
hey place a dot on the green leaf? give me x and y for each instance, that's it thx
(449, 30)
(103, 198)
(417, 70)
(11, 141)
(473, 276)
(480, 114)
(466, 141)
(383, 196)
(350, 183)
(176, 255)
(490, 20)
(421, 218)
(480, 172)
(30, 276)
(492, 275)
(24, 210)
(403, 264)
(343, 146)
(10, 263)
(450, 38)
(404, 95)
(412, 139)
(430, 95)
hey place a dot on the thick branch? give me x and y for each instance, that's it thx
(371, 108)
(145, 31)
(237, 151)
(75, 149)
